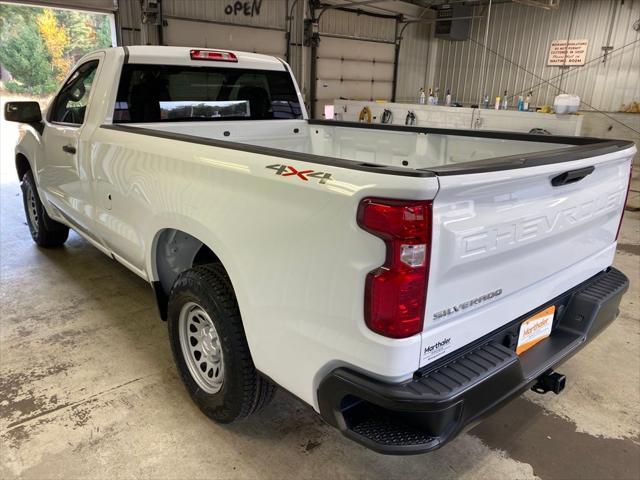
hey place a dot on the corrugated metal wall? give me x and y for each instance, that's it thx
(128, 16)
(272, 12)
(521, 35)
(272, 15)
(415, 51)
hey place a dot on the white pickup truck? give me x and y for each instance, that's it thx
(402, 281)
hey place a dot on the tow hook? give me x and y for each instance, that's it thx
(550, 381)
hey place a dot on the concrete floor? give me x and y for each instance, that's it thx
(88, 389)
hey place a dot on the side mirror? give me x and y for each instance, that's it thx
(23, 112)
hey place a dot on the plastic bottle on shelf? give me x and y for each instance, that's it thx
(485, 101)
(498, 103)
(447, 98)
(430, 99)
(520, 103)
(436, 96)
(527, 102)
(505, 103)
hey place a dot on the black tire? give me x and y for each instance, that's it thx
(45, 231)
(243, 390)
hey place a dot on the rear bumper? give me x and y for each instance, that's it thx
(440, 401)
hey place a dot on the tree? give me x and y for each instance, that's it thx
(103, 32)
(11, 15)
(56, 40)
(24, 54)
(38, 46)
(86, 32)
(80, 30)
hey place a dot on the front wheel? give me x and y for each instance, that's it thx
(210, 348)
(45, 231)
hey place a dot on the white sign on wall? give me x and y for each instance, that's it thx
(568, 52)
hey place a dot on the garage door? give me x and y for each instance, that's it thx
(355, 69)
(190, 33)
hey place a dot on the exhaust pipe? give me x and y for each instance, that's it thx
(550, 381)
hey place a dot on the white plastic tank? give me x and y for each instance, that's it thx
(566, 103)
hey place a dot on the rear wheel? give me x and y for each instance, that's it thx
(210, 348)
(45, 231)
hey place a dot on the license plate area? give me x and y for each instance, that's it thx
(535, 329)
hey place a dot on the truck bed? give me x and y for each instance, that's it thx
(398, 149)
(547, 207)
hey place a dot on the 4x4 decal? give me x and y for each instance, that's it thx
(289, 171)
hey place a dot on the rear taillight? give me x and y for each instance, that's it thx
(624, 205)
(395, 293)
(214, 55)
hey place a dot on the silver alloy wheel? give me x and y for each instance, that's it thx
(31, 210)
(201, 347)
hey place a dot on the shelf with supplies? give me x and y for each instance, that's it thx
(439, 116)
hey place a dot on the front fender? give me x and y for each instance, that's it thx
(30, 146)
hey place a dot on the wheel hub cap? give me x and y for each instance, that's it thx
(201, 347)
(31, 210)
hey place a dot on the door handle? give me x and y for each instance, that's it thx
(69, 149)
(571, 176)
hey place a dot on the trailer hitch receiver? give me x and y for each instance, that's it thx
(550, 381)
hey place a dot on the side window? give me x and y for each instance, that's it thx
(71, 103)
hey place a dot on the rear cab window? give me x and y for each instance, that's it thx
(165, 93)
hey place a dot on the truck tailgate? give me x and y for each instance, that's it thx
(506, 241)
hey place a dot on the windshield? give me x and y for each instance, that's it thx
(160, 93)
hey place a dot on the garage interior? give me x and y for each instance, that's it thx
(88, 387)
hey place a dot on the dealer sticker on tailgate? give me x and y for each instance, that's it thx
(535, 329)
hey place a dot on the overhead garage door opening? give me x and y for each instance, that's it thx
(363, 70)
(40, 45)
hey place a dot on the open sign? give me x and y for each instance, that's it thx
(248, 9)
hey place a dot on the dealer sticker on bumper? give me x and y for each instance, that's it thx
(535, 329)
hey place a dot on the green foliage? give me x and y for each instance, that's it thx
(24, 51)
(80, 30)
(11, 14)
(103, 32)
(24, 54)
